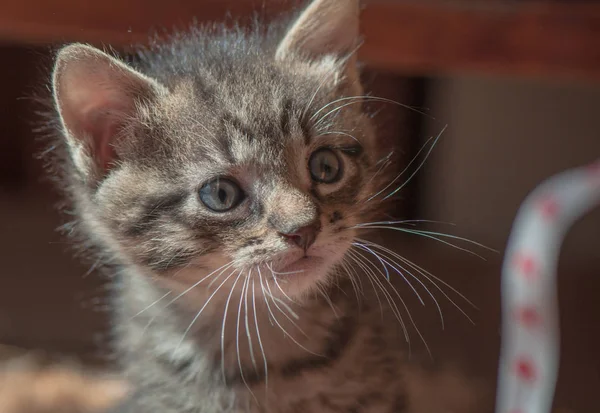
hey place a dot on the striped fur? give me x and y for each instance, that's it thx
(260, 334)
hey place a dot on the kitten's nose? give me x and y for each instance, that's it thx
(303, 237)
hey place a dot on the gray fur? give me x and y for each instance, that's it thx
(213, 102)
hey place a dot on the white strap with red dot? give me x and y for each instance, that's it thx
(530, 330)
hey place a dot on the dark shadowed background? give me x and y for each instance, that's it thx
(517, 82)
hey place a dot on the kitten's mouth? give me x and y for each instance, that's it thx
(296, 267)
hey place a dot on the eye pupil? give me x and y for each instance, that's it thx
(221, 194)
(325, 166)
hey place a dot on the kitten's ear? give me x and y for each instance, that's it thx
(96, 95)
(326, 28)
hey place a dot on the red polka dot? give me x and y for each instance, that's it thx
(525, 370)
(529, 317)
(549, 207)
(526, 265)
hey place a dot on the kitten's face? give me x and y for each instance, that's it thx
(259, 184)
(257, 170)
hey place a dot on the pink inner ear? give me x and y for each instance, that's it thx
(107, 154)
(96, 96)
(101, 128)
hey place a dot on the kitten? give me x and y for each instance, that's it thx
(223, 178)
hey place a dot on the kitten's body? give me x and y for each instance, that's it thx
(248, 307)
(359, 366)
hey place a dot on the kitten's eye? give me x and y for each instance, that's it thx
(221, 195)
(324, 166)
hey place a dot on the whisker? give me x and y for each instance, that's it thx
(403, 171)
(430, 278)
(151, 305)
(321, 290)
(265, 295)
(351, 257)
(424, 274)
(287, 307)
(375, 280)
(357, 277)
(284, 272)
(385, 263)
(147, 326)
(274, 274)
(353, 282)
(425, 235)
(225, 313)
(384, 161)
(365, 265)
(237, 337)
(262, 350)
(410, 317)
(283, 312)
(360, 99)
(339, 133)
(441, 234)
(404, 221)
(222, 268)
(92, 268)
(437, 138)
(437, 304)
(201, 310)
(247, 283)
(326, 77)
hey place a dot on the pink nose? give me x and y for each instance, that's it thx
(303, 237)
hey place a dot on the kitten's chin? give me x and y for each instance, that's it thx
(302, 266)
(302, 274)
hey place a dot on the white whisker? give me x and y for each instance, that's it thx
(358, 99)
(151, 305)
(386, 263)
(321, 290)
(429, 277)
(412, 321)
(441, 234)
(237, 338)
(357, 277)
(222, 268)
(247, 323)
(437, 138)
(201, 310)
(353, 281)
(287, 307)
(284, 272)
(326, 77)
(265, 295)
(262, 350)
(375, 280)
(393, 266)
(405, 221)
(274, 274)
(225, 313)
(338, 133)
(385, 162)
(424, 235)
(352, 256)
(283, 312)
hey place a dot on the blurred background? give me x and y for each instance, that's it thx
(516, 81)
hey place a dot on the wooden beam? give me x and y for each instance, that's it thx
(532, 38)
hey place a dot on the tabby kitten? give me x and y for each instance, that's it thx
(223, 177)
